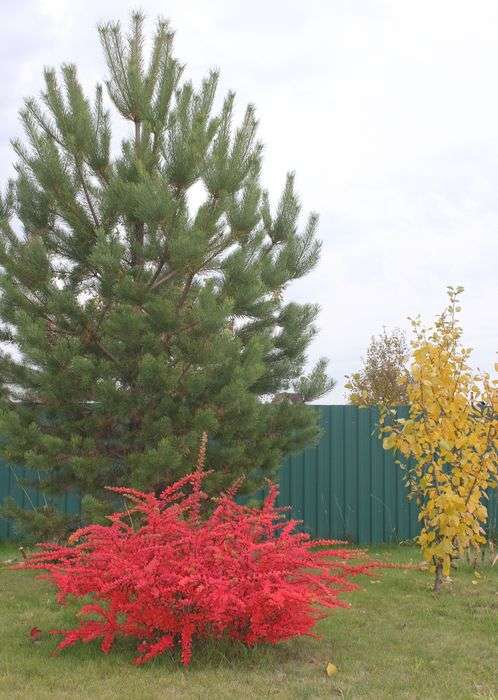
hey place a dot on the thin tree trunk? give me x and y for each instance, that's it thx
(137, 257)
(438, 581)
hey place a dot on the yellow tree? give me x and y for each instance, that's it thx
(448, 442)
(383, 377)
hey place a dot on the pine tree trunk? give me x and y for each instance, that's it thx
(438, 581)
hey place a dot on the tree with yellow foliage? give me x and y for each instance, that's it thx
(383, 377)
(449, 441)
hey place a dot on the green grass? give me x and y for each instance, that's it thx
(398, 641)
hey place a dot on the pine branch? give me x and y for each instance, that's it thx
(88, 197)
(158, 281)
(186, 289)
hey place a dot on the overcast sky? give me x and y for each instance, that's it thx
(387, 111)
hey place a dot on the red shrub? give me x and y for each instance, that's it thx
(241, 572)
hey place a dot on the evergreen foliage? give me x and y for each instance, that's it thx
(133, 318)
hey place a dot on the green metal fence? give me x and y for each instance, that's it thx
(346, 487)
(12, 483)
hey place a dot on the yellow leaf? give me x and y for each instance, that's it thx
(388, 442)
(331, 669)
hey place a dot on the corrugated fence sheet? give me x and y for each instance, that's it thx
(345, 487)
(348, 486)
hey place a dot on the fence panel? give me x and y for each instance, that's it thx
(345, 487)
(349, 487)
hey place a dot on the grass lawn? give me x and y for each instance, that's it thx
(398, 641)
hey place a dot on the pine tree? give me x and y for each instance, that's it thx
(134, 320)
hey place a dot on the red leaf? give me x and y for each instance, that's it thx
(35, 633)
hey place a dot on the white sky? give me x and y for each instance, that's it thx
(388, 112)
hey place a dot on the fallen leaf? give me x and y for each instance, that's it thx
(331, 669)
